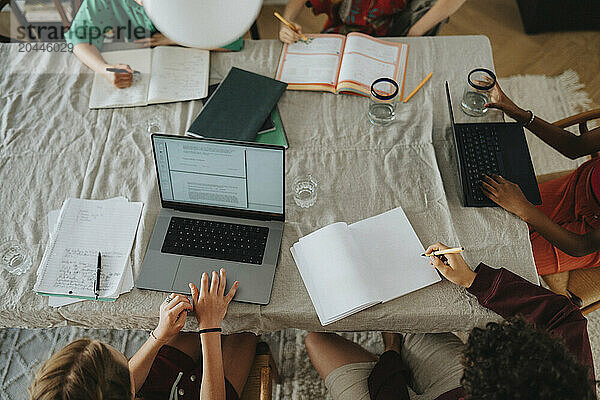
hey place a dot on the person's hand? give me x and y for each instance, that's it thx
(506, 194)
(119, 80)
(454, 268)
(210, 303)
(287, 35)
(158, 39)
(172, 317)
(500, 101)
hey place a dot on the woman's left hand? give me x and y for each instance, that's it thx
(158, 39)
(506, 194)
(172, 317)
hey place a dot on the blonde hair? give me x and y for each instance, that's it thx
(83, 369)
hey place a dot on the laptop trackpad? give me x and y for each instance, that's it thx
(190, 270)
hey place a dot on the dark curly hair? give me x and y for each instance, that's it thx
(514, 360)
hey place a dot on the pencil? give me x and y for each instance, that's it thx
(454, 250)
(98, 269)
(289, 25)
(418, 87)
(121, 71)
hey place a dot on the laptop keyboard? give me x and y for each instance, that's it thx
(218, 240)
(482, 155)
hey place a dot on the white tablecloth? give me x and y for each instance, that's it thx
(53, 147)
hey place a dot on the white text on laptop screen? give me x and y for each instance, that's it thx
(218, 174)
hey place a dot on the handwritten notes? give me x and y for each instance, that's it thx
(84, 228)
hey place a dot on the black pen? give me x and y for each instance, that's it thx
(121, 71)
(98, 269)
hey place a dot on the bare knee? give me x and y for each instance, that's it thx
(314, 340)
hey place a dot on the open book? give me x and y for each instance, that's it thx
(348, 268)
(342, 64)
(167, 74)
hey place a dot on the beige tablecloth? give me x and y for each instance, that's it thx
(53, 147)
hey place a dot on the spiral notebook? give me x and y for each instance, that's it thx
(85, 228)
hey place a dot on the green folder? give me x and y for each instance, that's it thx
(276, 136)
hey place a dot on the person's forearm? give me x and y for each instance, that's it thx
(441, 10)
(292, 9)
(571, 243)
(213, 376)
(142, 360)
(90, 56)
(563, 141)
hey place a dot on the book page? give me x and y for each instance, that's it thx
(335, 276)
(86, 227)
(394, 250)
(178, 74)
(106, 95)
(367, 59)
(316, 62)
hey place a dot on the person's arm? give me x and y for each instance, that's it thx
(90, 56)
(172, 319)
(563, 141)
(509, 295)
(291, 12)
(210, 306)
(441, 10)
(509, 196)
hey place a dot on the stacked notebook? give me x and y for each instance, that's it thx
(348, 268)
(78, 232)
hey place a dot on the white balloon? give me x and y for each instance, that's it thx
(205, 24)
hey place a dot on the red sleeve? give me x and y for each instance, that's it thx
(509, 295)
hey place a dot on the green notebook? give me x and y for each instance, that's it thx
(276, 136)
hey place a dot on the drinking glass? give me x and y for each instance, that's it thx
(477, 91)
(14, 257)
(305, 191)
(154, 125)
(382, 104)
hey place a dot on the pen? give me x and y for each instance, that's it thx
(98, 269)
(121, 71)
(289, 25)
(454, 250)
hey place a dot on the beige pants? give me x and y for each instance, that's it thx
(432, 358)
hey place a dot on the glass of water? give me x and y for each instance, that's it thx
(477, 91)
(14, 257)
(154, 125)
(305, 191)
(382, 105)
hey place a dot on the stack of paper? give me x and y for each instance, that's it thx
(78, 232)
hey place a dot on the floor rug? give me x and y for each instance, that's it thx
(21, 351)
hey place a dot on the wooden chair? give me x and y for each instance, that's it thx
(582, 285)
(259, 385)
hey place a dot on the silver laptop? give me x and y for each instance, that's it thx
(222, 207)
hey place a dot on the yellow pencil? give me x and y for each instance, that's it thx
(289, 25)
(454, 250)
(418, 87)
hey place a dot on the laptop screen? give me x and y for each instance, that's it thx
(212, 173)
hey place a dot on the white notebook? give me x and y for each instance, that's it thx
(167, 74)
(348, 268)
(84, 228)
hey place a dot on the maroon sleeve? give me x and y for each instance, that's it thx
(509, 295)
(388, 379)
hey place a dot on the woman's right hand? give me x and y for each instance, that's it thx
(455, 269)
(501, 101)
(119, 80)
(287, 35)
(172, 317)
(210, 303)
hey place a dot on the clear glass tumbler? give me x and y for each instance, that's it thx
(305, 191)
(14, 257)
(382, 105)
(477, 91)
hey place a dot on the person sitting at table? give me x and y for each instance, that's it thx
(126, 19)
(169, 365)
(540, 351)
(565, 229)
(376, 18)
